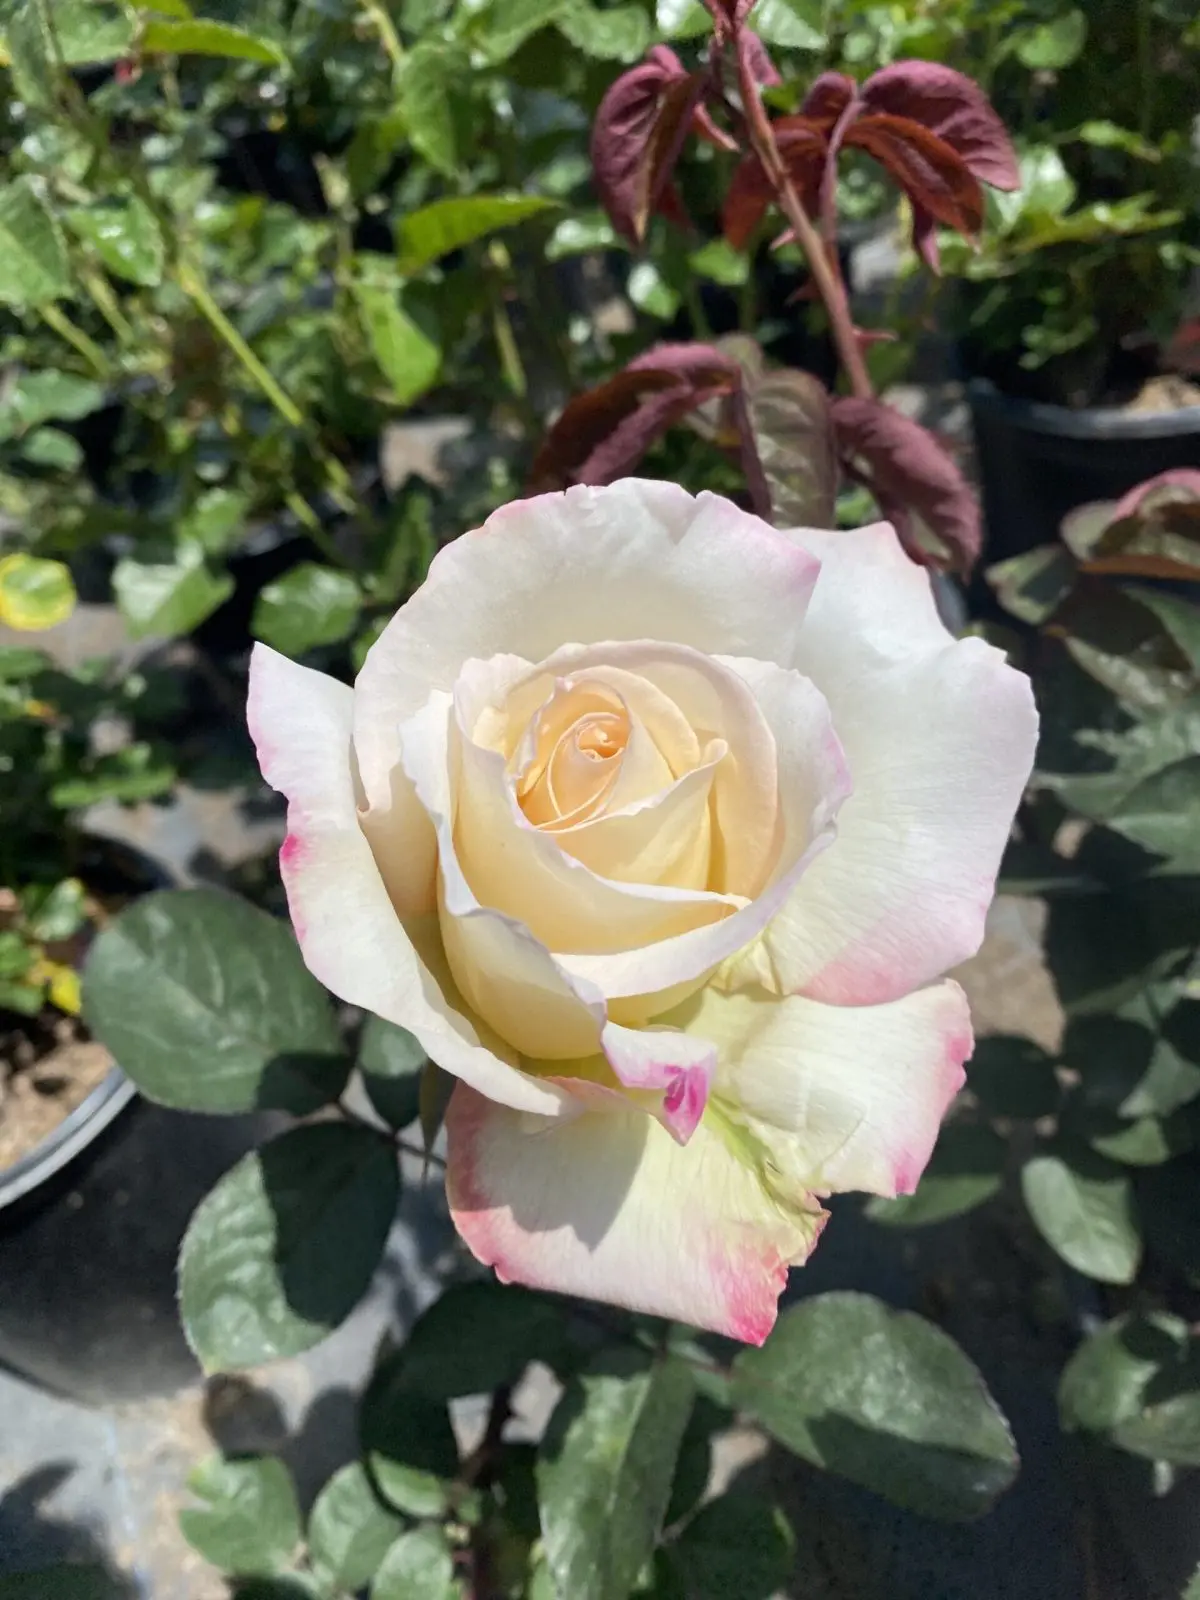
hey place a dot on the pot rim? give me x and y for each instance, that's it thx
(69, 1139)
(1090, 422)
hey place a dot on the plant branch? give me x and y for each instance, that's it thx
(825, 274)
(91, 352)
(386, 29)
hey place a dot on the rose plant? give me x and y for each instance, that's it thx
(647, 821)
(654, 828)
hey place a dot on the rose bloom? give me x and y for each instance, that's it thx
(657, 827)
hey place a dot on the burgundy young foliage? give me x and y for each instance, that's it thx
(639, 131)
(911, 477)
(932, 129)
(603, 433)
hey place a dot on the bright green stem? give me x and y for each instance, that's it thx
(66, 329)
(389, 38)
(197, 290)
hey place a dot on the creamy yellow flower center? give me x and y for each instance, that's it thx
(580, 738)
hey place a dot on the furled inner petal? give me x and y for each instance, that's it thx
(584, 752)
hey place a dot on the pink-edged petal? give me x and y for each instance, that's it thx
(349, 933)
(940, 747)
(610, 1207)
(678, 1065)
(505, 973)
(844, 1097)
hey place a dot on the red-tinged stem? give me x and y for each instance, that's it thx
(825, 274)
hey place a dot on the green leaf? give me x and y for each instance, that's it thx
(579, 234)
(683, 19)
(34, 594)
(885, 1399)
(51, 447)
(409, 1443)
(349, 1530)
(37, 397)
(1083, 1207)
(250, 1521)
(650, 292)
(433, 1096)
(72, 1582)
(1103, 1382)
(605, 1468)
(55, 911)
(1032, 586)
(206, 1002)
(737, 1547)
(792, 24)
(125, 235)
(215, 520)
(167, 598)
(445, 1358)
(1192, 1592)
(390, 1060)
(693, 1467)
(503, 27)
(1013, 1077)
(428, 86)
(967, 1168)
(285, 1246)
(721, 263)
(435, 230)
(18, 662)
(286, 1586)
(202, 37)
(82, 33)
(419, 1566)
(1053, 45)
(1106, 135)
(408, 358)
(621, 33)
(309, 606)
(1136, 1382)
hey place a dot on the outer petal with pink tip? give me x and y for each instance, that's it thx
(609, 1206)
(348, 930)
(841, 1097)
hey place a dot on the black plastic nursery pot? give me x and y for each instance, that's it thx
(92, 1217)
(1038, 461)
(91, 1222)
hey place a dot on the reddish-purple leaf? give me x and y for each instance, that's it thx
(932, 175)
(1179, 485)
(728, 17)
(752, 53)
(616, 456)
(749, 194)
(788, 450)
(911, 477)
(954, 108)
(829, 96)
(605, 432)
(697, 364)
(587, 420)
(640, 129)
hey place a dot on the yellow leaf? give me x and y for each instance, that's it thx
(34, 593)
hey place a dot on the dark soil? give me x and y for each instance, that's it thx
(48, 1066)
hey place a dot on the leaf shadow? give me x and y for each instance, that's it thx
(34, 1539)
